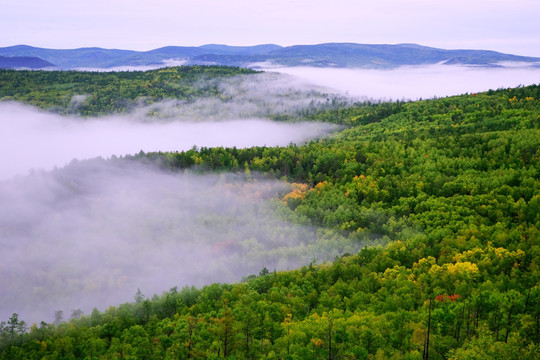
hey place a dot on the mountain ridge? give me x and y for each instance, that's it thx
(339, 55)
(24, 62)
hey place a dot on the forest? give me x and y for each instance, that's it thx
(443, 194)
(109, 92)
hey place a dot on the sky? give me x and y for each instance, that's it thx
(501, 25)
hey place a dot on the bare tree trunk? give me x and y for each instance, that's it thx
(225, 340)
(330, 324)
(537, 321)
(426, 343)
(478, 311)
(288, 341)
(497, 320)
(527, 302)
(458, 327)
(468, 320)
(508, 322)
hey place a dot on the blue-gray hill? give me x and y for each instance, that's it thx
(341, 55)
(24, 62)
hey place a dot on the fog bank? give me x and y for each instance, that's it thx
(260, 95)
(36, 140)
(163, 64)
(92, 233)
(414, 82)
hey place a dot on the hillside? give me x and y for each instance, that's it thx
(24, 62)
(92, 93)
(443, 193)
(340, 55)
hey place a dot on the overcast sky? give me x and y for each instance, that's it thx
(510, 26)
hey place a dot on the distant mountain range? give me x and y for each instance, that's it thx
(341, 55)
(26, 62)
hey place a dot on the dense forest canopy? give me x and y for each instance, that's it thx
(225, 92)
(109, 92)
(447, 192)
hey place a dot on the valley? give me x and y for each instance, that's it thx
(407, 221)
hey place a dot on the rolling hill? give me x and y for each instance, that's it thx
(24, 62)
(341, 55)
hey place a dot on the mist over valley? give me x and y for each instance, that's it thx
(269, 180)
(80, 234)
(415, 82)
(46, 140)
(83, 228)
(92, 233)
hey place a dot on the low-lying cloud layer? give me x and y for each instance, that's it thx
(38, 140)
(163, 64)
(261, 95)
(414, 82)
(90, 234)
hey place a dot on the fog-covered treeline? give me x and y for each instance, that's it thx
(449, 185)
(192, 93)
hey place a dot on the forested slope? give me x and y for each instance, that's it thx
(449, 187)
(191, 93)
(100, 93)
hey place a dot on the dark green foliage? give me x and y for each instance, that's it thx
(109, 92)
(450, 185)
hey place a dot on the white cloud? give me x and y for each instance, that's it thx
(45, 140)
(413, 82)
(90, 234)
